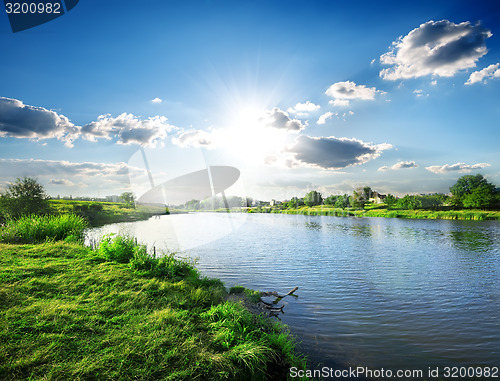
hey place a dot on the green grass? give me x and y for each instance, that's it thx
(252, 295)
(70, 313)
(36, 229)
(101, 213)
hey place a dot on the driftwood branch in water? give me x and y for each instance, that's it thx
(271, 307)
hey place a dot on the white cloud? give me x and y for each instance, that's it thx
(280, 119)
(339, 102)
(332, 152)
(349, 90)
(36, 167)
(323, 118)
(59, 175)
(440, 48)
(64, 182)
(489, 72)
(129, 129)
(194, 138)
(457, 167)
(156, 100)
(303, 109)
(399, 165)
(419, 93)
(18, 120)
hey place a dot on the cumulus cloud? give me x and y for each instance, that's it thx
(280, 119)
(332, 152)
(193, 138)
(156, 100)
(128, 128)
(323, 118)
(18, 120)
(399, 165)
(489, 72)
(457, 167)
(439, 48)
(349, 90)
(303, 109)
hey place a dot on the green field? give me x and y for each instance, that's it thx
(117, 313)
(101, 213)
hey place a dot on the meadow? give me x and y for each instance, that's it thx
(101, 213)
(118, 312)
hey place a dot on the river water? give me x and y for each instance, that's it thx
(373, 292)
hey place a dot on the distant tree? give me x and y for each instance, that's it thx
(409, 202)
(481, 197)
(390, 200)
(246, 201)
(313, 198)
(23, 197)
(193, 204)
(295, 202)
(472, 191)
(433, 201)
(342, 201)
(128, 198)
(360, 197)
(330, 200)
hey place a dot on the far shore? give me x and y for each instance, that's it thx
(373, 211)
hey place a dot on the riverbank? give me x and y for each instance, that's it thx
(102, 213)
(69, 312)
(384, 211)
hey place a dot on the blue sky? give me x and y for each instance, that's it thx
(298, 95)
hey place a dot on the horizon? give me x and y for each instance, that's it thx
(298, 97)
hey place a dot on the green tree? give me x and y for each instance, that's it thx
(342, 201)
(481, 197)
(390, 200)
(295, 202)
(23, 197)
(313, 198)
(193, 204)
(360, 197)
(330, 200)
(472, 191)
(409, 202)
(128, 198)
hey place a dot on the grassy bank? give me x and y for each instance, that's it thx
(69, 313)
(384, 211)
(101, 213)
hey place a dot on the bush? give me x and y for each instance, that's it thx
(124, 249)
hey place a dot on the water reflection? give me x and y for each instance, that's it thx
(472, 239)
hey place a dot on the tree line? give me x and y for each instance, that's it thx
(469, 192)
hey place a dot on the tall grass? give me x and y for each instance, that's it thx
(37, 229)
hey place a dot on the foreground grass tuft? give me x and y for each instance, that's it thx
(68, 312)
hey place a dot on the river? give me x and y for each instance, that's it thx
(373, 292)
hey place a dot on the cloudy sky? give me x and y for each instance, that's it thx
(298, 95)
